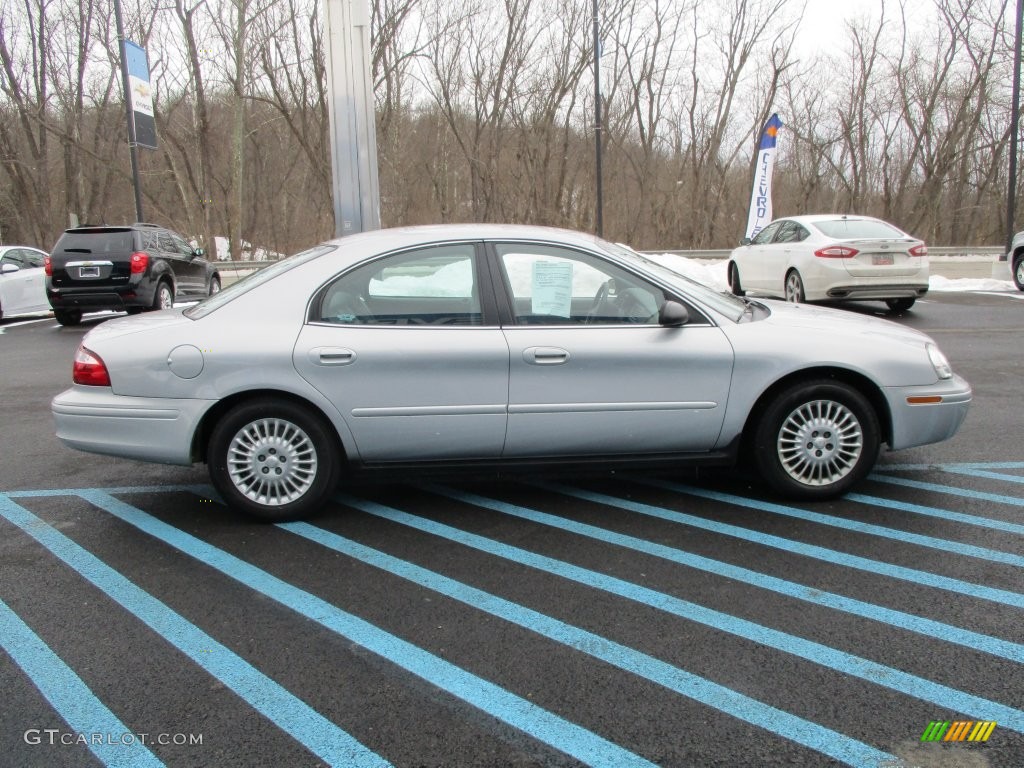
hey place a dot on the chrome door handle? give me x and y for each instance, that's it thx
(545, 355)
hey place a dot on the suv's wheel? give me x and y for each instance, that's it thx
(1018, 271)
(214, 285)
(273, 459)
(900, 305)
(816, 440)
(164, 296)
(68, 316)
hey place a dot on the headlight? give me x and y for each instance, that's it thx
(939, 362)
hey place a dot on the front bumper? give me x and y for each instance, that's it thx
(929, 414)
(95, 420)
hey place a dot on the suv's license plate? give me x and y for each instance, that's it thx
(881, 259)
(88, 271)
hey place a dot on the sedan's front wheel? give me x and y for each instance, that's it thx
(816, 440)
(273, 459)
(1018, 272)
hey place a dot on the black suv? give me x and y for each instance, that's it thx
(133, 267)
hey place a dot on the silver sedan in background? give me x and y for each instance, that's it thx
(490, 346)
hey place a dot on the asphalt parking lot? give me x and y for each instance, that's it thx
(617, 619)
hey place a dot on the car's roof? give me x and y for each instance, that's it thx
(811, 218)
(386, 239)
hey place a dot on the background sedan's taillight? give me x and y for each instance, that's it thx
(836, 252)
(48, 266)
(89, 369)
(919, 250)
(140, 260)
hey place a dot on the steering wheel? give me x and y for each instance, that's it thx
(631, 307)
(602, 301)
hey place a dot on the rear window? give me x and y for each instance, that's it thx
(848, 229)
(105, 241)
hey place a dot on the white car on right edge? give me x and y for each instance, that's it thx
(831, 257)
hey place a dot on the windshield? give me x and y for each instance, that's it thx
(253, 279)
(850, 229)
(723, 303)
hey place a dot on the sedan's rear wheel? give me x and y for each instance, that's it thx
(734, 281)
(1018, 272)
(794, 287)
(816, 440)
(273, 459)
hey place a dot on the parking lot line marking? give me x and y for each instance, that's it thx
(942, 514)
(289, 713)
(870, 529)
(910, 622)
(831, 658)
(943, 467)
(979, 472)
(72, 699)
(792, 727)
(966, 493)
(833, 556)
(535, 721)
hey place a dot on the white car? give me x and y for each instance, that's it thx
(832, 257)
(22, 281)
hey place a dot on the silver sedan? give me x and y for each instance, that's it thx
(489, 345)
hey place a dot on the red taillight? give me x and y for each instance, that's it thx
(140, 261)
(919, 250)
(48, 266)
(89, 369)
(836, 252)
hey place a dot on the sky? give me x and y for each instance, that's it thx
(823, 24)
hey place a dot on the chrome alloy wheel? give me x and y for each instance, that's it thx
(819, 442)
(272, 461)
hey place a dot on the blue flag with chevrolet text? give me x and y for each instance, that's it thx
(140, 96)
(761, 196)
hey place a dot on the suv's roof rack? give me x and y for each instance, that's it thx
(146, 224)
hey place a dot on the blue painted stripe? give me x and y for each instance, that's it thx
(942, 514)
(832, 556)
(797, 729)
(950, 490)
(300, 721)
(932, 542)
(897, 680)
(978, 472)
(918, 624)
(945, 467)
(69, 696)
(533, 720)
(198, 489)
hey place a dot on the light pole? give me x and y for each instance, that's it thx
(599, 217)
(1011, 193)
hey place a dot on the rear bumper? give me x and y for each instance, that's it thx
(95, 420)
(931, 414)
(897, 291)
(101, 297)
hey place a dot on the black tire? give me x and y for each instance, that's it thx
(1018, 271)
(163, 296)
(134, 310)
(68, 316)
(214, 285)
(734, 280)
(900, 305)
(794, 287)
(273, 459)
(816, 440)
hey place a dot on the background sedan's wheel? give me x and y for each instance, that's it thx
(273, 459)
(68, 316)
(1018, 272)
(734, 281)
(816, 440)
(794, 287)
(164, 296)
(900, 305)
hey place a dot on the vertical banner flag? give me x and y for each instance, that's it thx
(761, 196)
(141, 95)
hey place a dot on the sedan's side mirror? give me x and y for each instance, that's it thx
(673, 315)
(9, 269)
(745, 241)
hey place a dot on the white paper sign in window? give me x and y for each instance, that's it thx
(552, 288)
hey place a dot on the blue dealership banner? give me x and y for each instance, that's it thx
(140, 96)
(761, 196)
